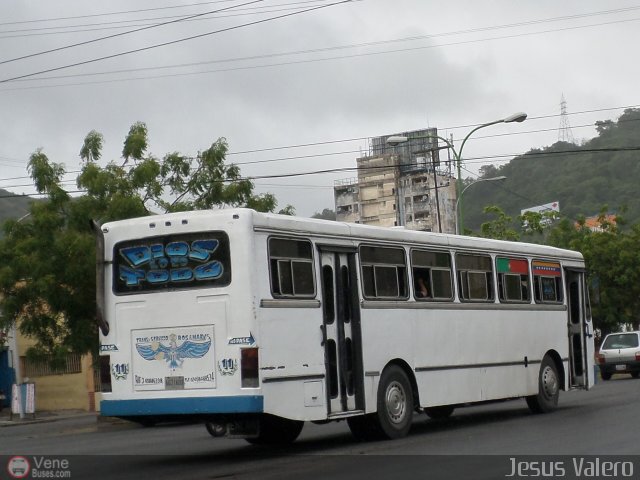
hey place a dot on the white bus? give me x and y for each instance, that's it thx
(256, 323)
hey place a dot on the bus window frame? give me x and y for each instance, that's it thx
(290, 260)
(558, 281)
(490, 277)
(405, 278)
(501, 286)
(413, 267)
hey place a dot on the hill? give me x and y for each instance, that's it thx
(12, 205)
(583, 178)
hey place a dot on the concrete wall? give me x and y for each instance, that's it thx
(61, 391)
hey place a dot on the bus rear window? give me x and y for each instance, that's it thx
(171, 262)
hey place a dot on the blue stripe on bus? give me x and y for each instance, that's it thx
(177, 406)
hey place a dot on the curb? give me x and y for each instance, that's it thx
(31, 421)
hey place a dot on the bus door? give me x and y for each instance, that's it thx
(580, 330)
(341, 336)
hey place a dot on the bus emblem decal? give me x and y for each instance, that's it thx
(173, 353)
(228, 366)
(120, 371)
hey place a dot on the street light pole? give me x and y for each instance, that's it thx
(457, 155)
(492, 179)
(516, 117)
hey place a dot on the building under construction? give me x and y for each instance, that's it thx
(408, 184)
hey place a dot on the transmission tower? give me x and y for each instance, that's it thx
(564, 132)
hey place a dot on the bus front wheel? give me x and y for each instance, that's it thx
(548, 388)
(276, 431)
(395, 409)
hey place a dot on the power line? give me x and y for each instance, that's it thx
(345, 152)
(472, 30)
(120, 24)
(65, 47)
(113, 13)
(369, 168)
(251, 67)
(172, 42)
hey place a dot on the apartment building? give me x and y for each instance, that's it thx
(406, 184)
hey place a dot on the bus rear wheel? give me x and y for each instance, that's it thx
(276, 431)
(548, 388)
(395, 409)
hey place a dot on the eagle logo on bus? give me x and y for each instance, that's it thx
(173, 353)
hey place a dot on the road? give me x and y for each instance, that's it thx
(603, 421)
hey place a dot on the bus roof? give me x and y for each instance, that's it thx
(333, 229)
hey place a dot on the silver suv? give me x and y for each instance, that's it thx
(620, 353)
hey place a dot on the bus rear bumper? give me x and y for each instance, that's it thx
(182, 406)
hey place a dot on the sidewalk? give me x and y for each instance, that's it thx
(6, 420)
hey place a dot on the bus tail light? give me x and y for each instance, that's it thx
(105, 373)
(249, 367)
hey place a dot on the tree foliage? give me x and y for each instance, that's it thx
(47, 280)
(603, 170)
(611, 253)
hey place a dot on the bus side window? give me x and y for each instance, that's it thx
(547, 281)
(383, 273)
(513, 280)
(291, 265)
(475, 277)
(431, 275)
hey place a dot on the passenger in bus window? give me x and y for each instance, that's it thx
(422, 291)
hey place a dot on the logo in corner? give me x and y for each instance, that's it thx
(18, 467)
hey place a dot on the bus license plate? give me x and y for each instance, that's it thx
(621, 367)
(174, 383)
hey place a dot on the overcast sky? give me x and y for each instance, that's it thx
(333, 77)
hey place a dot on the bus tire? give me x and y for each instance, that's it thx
(395, 403)
(365, 427)
(546, 399)
(276, 431)
(439, 413)
(395, 409)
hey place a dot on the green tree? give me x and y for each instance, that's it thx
(47, 280)
(500, 227)
(612, 256)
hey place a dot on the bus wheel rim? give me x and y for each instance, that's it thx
(549, 382)
(396, 402)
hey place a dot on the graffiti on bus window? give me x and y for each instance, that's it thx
(174, 262)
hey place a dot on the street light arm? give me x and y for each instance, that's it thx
(475, 130)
